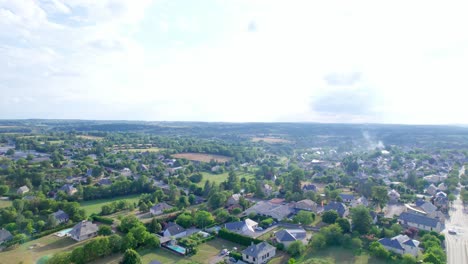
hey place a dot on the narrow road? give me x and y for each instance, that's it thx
(457, 245)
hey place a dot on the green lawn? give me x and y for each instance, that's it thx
(340, 255)
(143, 149)
(219, 178)
(34, 250)
(5, 203)
(205, 253)
(94, 206)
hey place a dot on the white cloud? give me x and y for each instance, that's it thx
(394, 61)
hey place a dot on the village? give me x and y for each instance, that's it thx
(379, 205)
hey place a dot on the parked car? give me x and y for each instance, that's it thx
(452, 232)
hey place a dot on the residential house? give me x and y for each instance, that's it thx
(126, 172)
(143, 167)
(83, 230)
(234, 199)
(159, 208)
(374, 217)
(442, 187)
(105, 182)
(259, 253)
(347, 198)
(421, 222)
(68, 189)
(306, 205)
(360, 201)
(287, 236)
(309, 188)
(426, 206)
(441, 201)
(246, 227)
(340, 208)
(5, 236)
(22, 190)
(275, 211)
(61, 216)
(431, 190)
(401, 244)
(393, 195)
(174, 230)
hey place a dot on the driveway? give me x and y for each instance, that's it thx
(457, 245)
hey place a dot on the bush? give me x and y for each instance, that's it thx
(236, 255)
(102, 219)
(236, 238)
(296, 248)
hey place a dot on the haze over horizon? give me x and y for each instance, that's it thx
(235, 61)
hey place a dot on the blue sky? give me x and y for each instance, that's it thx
(244, 60)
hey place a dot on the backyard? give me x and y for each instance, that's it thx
(4, 203)
(94, 206)
(34, 250)
(206, 252)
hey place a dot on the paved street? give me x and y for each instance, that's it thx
(457, 245)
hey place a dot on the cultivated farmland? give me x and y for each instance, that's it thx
(202, 157)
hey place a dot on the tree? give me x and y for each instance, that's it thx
(131, 257)
(104, 230)
(333, 234)
(318, 241)
(51, 221)
(344, 224)
(185, 220)
(128, 222)
(304, 217)
(296, 248)
(379, 195)
(183, 201)
(217, 200)
(203, 219)
(129, 241)
(330, 216)
(4, 189)
(377, 250)
(115, 243)
(154, 226)
(408, 259)
(60, 258)
(10, 152)
(361, 218)
(143, 207)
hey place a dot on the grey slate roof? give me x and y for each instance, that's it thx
(346, 196)
(83, 228)
(61, 216)
(419, 219)
(410, 243)
(5, 235)
(393, 243)
(174, 229)
(287, 235)
(258, 249)
(340, 208)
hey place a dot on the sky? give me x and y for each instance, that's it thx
(235, 61)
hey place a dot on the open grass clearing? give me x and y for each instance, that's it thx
(90, 137)
(152, 149)
(5, 203)
(270, 140)
(219, 178)
(94, 206)
(340, 255)
(32, 251)
(202, 157)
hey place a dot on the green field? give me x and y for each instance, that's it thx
(219, 178)
(142, 149)
(5, 203)
(340, 255)
(94, 206)
(34, 250)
